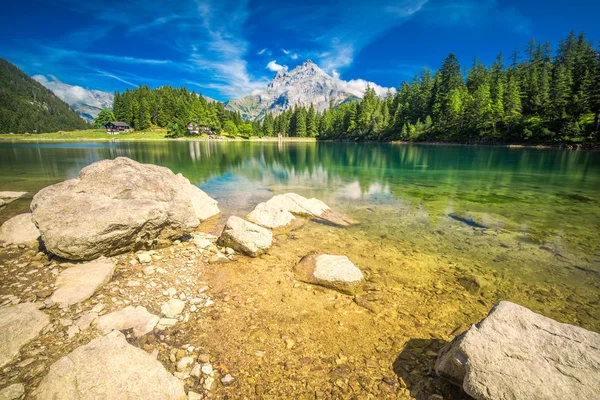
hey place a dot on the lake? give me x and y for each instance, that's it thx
(525, 214)
(444, 233)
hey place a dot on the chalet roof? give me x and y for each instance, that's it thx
(118, 123)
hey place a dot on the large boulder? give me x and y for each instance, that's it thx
(515, 353)
(18, 326)
(281, 210)
(334, 272)
(19, 230)
(245, 237)
(109, 368)
(115, 206)
(79, 283)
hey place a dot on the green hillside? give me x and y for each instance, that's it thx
(27, 106)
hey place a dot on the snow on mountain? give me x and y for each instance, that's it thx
(87, 103)
(305, 84)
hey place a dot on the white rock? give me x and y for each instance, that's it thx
(79, 283)
(196, 371)
(204, 206)
(194, 396)
(12, 392)
(109, 368)
(172, 308)
(202, 243)
(185, 364)
(19, 230)
(515, 353)
(208, 382)
(336, 272)
(165, 323)
(18, 326)
(9, 196)
(207, 369)
(136, 318)
(148, 270)
(245, 237)
(144, 257)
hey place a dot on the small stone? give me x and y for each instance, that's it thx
(165, 323)
(204, 358)
(194, 396)
(227, 380)
(149, 270)
(207, 369)
(290, 343)
(161, 270)
(208, 382)
(193, 308)
(144, 257)
(184, 364)
(172, 308)
(25, 363)
(196, 371)
(180, 354)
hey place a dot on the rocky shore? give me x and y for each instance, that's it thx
(145, 292)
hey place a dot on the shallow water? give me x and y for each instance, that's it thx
(452, 201)
(444, 233)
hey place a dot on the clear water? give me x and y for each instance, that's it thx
(524, 222)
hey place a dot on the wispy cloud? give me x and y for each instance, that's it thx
(263, 51)
(284, 51)
(155, 23)
(113, 76)
(273, 66)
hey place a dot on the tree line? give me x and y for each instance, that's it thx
(172, 108)
(538, 97)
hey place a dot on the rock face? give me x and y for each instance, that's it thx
(115, 206)
(79, 283)
(12, 392)
(18, 326)
(280, 210)
(19, 230)
(515, 353)
(136, 318)
(335, 272)
(245, 237)
(109, 368)
(304, 85)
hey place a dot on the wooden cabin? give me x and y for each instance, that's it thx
(114, 128)
(198, 129)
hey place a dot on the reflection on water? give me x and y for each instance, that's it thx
(433, 196)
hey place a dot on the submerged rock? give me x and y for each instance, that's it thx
(280, 211)
(136, 318)
(6, 196)
(79, 283)
(19, 230)
(115, 206)
(18, 326)
(245, 237)
(335, 272)
(109, 368)
(515, 353)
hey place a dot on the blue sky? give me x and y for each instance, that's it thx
(228, 49)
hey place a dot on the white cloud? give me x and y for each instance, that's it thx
(263, 51)
(73, 94)
(357, 87)
(286, 52)
(294, 56)
(273, 66)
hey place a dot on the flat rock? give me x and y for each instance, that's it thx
(245, 237)
(7, 196)
(165, 323)
(172, 308)
(281, 210)
(19, 230)
(79, 283)
(12, 392)
(136, 318)
(109, 368)
(335, 272)
(515, 353)
(115, 206)
(18, 326)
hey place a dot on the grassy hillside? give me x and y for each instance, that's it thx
(27, 106)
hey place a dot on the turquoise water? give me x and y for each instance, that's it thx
(520, 215)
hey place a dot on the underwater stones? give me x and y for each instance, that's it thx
(334, 272)
(245, 237)
(109, 368)
(79, 283)
(19, 230)
(515, 353)
(7, 196)
(281, 210)
(18, 326)
(136, 318)
(119, 205)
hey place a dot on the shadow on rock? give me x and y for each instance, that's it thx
(415, 365)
